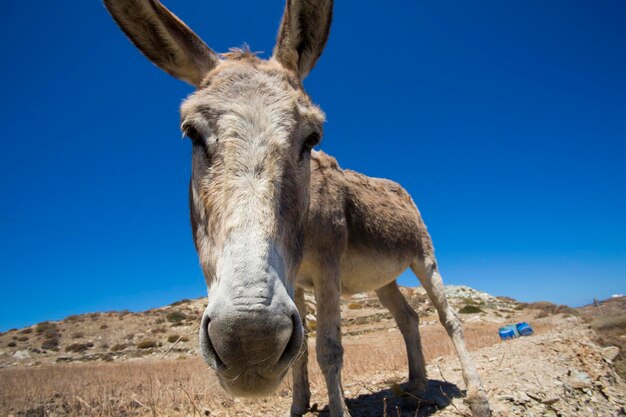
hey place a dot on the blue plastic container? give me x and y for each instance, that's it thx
(513, 328)
(506, 333)
(524, 329)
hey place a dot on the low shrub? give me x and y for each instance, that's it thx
(183, 301)
(355, 306)
(46, 327)
(146, 344)
(174, 337)
(175, 317)
(79, 347)
(119, 347)
(470, 309)
(50, 344)
(47, 330)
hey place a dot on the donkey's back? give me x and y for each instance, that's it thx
(371, 223)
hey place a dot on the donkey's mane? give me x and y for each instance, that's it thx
(239, 54)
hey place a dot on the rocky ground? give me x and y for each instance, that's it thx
(558, 373)
(127, 364)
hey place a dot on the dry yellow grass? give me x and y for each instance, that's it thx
(186, 387)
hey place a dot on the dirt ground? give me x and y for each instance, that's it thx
(561, 370)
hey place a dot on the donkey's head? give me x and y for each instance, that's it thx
(252, 127)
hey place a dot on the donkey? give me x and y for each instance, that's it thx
(270, 217)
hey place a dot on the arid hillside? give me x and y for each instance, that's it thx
(136, 364)
(172, 331)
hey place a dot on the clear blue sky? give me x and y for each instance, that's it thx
(506, 121)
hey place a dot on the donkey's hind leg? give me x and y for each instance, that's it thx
(408, 322)
(427, 273)
(301, 390)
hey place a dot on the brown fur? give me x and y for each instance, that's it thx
(379, 214)
(350, 212)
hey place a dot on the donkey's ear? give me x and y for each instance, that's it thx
(303, 34)
(164, 38)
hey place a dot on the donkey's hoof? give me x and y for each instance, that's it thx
(479, 405)
(302, 409)
(298, 411)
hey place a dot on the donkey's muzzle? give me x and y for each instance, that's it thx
(251, 349)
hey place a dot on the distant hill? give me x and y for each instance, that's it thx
(172, 330)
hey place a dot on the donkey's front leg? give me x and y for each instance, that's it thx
(328, 340)
(301, 390)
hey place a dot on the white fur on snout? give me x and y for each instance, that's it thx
(251, 274)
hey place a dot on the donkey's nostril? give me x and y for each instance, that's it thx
(206, 346)
(294, 344)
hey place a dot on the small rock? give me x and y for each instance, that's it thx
(522, 398)
(551, 401)
(21, 354)
(581, 380)
(610, 352)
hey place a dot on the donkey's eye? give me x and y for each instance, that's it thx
(309, 143)
(192, 133)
